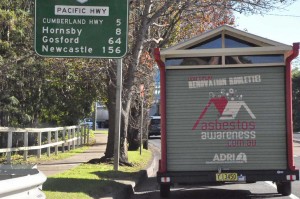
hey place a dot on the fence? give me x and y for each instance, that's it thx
(70, 136)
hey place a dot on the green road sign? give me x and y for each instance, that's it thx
(81, 28)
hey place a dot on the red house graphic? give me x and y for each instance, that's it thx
(227, 109)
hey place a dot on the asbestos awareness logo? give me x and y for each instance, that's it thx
(228, 127)
(239, 133)
(228, 105)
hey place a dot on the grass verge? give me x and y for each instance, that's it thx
(102, 131)
(94, 180)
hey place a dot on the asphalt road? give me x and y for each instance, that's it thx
(149, 189)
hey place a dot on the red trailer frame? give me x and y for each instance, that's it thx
(166, 178)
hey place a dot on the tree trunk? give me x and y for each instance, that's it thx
(123, 138)
(109, 152)
(131, 62)
(111, 106)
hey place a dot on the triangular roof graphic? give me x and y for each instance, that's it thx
(227, 30)
(228, 109)
(233, 108)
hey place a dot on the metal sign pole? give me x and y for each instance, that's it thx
(142, 116)
(118, 115)
(95, 121)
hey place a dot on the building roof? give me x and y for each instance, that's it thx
(263, 45)
(225, 29)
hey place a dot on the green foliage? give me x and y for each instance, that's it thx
(48, 91)
(10, 112)
(51, 91)
(296, 63)
(296, 99)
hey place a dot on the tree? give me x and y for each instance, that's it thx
(15, 31)
(296, 62)
(72, 87)
(296, 98)
(37, 90)
(62, 90)
(157, 24)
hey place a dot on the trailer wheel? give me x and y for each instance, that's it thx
(284, 188)
(165, 190)
(102, 125)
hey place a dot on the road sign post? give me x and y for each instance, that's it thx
(81, 28)
(84, 28)
(119, 87)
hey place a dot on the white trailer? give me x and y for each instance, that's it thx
(226, 111)
(102, 116)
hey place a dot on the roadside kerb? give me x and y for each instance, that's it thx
(149, 171)
(297, 141)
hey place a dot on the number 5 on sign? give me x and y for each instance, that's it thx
(118, 21)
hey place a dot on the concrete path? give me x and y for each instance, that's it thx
(59, 166)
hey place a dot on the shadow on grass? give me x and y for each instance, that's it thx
(118, 175)
(108, 185)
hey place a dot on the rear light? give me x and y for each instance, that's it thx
(165, 179)
(291, 177)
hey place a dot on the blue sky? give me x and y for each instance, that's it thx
(278, 25)
(284, 29)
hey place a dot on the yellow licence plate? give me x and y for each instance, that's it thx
(226, 177)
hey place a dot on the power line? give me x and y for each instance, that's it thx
(280, 15)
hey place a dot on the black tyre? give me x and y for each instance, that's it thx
(279, 187)
(165, 190)
(284, 188)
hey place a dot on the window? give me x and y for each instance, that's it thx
(188, 61)
(215, 42)
(232, 42)
(254, 59)
(224, 41)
